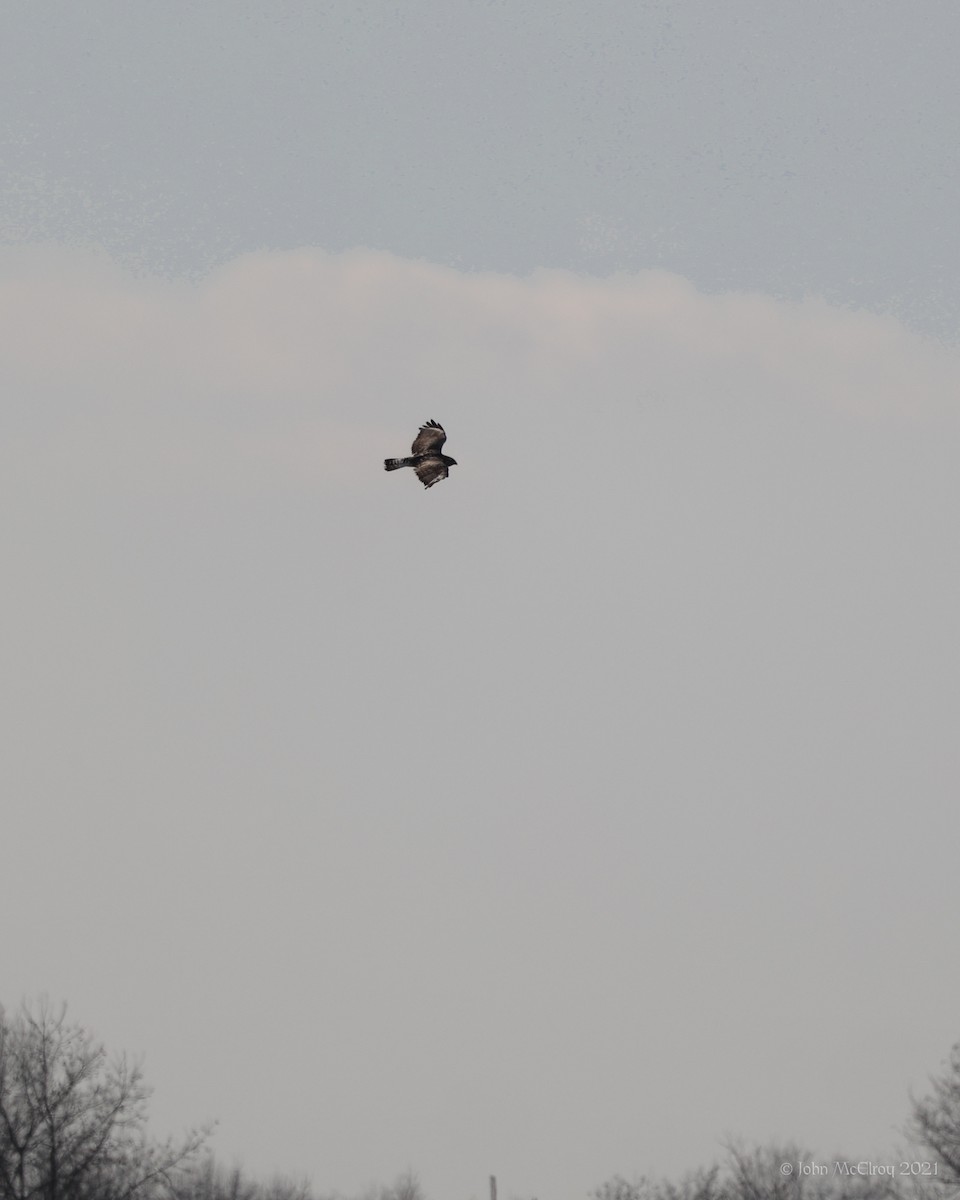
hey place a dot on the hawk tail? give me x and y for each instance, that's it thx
(394, 464)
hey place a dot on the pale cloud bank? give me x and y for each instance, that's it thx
(339, 339)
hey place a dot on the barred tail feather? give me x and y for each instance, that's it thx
(394, 464)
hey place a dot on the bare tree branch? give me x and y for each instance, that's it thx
(73, 1122)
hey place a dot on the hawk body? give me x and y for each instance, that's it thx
(427, 460)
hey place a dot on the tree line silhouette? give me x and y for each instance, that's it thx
(73, 1126)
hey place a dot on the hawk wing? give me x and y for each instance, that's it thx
(431, 470)
(430, 439)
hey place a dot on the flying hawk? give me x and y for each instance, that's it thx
(429, 464)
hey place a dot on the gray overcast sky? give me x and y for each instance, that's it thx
(600, 802)
(770, 144)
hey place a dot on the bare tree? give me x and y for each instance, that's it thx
(936, 1122)
(207, 1180)
(72, 1121)
(760, 1173)
(406, 1186)
(789, 1173)
(698, 1185)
